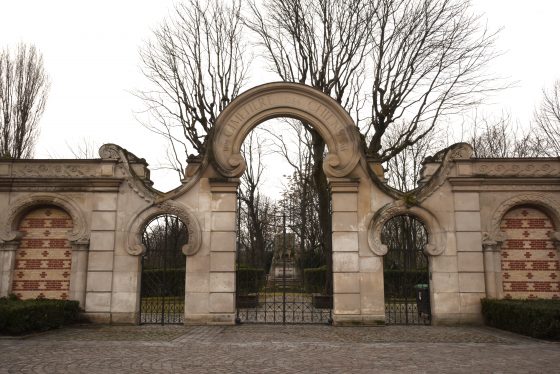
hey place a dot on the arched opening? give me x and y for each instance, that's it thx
(162, 290)
(44, 258)
(530, 261)
(284, 232)
(406, 272)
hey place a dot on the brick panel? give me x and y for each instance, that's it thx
(530, 264)
(44, 257)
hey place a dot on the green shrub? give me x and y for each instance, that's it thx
(402, 282)
(163, 282)
(537, 318)
(315, 279)
(249, 279)
(21, 316)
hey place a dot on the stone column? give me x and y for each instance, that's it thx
(7, 263)
(489, 247)
(221, 301)
(345, 255)
(492, 264)
(78, 273)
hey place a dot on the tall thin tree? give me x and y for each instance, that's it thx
(24, 87)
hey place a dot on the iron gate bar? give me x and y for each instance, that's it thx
(281, 296)
(163, 265)
(406, 272)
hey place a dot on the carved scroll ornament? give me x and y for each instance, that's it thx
(436, 236)
(138, 224)
(293, 100)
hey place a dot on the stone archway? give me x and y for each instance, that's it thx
(343, 167)
(293, 100)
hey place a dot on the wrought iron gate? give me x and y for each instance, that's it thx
(277, 286)
(162, 291)
(406, 274)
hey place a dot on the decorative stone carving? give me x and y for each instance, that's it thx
(55, 170)
(550, 205)
(516, 169)
(459, 151)
(492, 241)
(436, 236)
(139, 222)
(286, 99)
(138, 185)
(10, 220)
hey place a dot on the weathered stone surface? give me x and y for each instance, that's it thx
(99, 281)
(471, 282)
(346, 262)
(101, 220)
(470, 261)
(466, 201)
(467, 221)
(102, 241)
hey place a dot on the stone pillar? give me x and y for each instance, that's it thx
(470, 262)
(221, 298)
(7, 263)
(347, 292)
(78, 273)
(491, 245)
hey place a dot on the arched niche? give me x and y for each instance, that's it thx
(10, 221)
(293, 100)
(436, 235)
(139, 222)
(540, 201)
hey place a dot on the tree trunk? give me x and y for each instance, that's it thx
(324, 199)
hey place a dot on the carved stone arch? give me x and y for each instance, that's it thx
(293, 100)
(436, 235)
(143, 218)
(10, 221)
(547, 204)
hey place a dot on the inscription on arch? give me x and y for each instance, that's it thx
(286, 100)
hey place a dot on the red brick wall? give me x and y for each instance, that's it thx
(530, 266)
(44, 257)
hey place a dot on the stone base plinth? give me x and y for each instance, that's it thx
(210, 319)
(358, 320)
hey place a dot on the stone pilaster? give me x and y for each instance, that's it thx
(221, 282)
(7, 262)
(78, 274)
(347, 279)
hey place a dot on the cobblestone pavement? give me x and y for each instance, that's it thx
(277, 349)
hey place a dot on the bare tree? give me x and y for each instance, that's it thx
(404, 168)
(24, 87)
(428, 62)
(196, 64)
(498, 137)
(547, 120)
(255, 208)
(324, 44)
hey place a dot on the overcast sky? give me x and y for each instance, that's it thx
(90, 50)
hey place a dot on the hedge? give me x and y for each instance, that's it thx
(21, 316)
(249, 279)
(315, 279)
(537, 318)
(398, 281)
(163, 282)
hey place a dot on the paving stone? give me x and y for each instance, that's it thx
(277, 349)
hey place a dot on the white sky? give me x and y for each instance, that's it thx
(90, 49)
